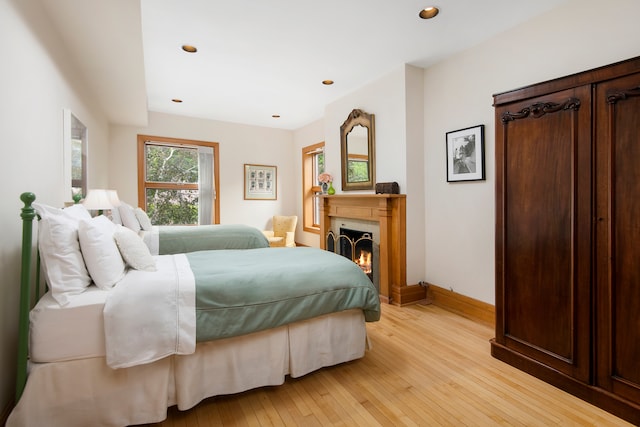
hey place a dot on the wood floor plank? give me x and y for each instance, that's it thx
(427, 366)
(208, 414)
(303, 388)
(252, 410)
(344, 407)
(285, 407)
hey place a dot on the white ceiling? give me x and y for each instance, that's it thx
(257, 58)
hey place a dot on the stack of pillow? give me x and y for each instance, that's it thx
(134, 219)
(78, 250)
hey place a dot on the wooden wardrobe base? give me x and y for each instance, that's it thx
(594, 395)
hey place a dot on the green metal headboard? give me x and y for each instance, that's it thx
(28, 214)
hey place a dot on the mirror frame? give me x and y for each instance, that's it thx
(358, 117)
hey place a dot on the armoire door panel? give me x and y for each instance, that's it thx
(538, 224)
(618, 250)
(546, 223)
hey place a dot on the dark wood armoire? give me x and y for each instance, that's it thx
(568, 234)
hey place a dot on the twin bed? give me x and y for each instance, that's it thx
(177, 239)
(199, 324)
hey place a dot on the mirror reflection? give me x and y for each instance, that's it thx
(78, 156)
(75, 155)
(358, 152)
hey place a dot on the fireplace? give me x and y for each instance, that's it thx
(383, 216)
(360, 247)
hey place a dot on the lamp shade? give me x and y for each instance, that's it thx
(114, 199)
(97, 199)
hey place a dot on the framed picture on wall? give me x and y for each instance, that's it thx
(465, 154)
(260, 182)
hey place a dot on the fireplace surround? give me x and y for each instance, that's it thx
(388, 213)
(359, 246)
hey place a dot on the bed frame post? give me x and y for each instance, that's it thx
(27, 215)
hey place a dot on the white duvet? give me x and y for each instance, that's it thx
(151, 315)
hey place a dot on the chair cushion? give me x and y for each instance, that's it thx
(276, 241)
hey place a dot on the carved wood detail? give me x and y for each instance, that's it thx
(354, 115)
(616, 96)
(539, 109)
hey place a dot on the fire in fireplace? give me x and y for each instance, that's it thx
(357, 246)
(364, 261)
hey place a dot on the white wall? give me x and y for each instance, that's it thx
(415, 172)
(239, 144)
(312, 133)
(460, 217)
(38, 82)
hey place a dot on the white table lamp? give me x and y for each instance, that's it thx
(98, 200)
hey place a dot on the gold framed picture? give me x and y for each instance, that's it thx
(260, 182)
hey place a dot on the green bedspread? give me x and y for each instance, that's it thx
(242, 291)
(182, 239)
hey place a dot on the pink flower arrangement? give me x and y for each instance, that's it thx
(325, 177)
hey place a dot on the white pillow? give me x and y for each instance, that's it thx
(100, 252)
(128, 216)
(77, 211)
(115, 216)
(143, 219)
(63, 265)
(133, 249)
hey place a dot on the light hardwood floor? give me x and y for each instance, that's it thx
(427, 367)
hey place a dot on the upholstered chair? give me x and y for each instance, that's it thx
(284, 231)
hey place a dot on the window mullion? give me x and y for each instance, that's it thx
(171, 185)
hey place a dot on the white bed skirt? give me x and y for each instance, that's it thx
(87, 392)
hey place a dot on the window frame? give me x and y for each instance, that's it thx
(159, 140)
(310, 186)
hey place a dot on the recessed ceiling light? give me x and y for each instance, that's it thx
(189, 48)
(327, 82)
(176, 100)
(429, 12)
(276, 116)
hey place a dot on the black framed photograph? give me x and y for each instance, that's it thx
(465, 154)
(260, 182)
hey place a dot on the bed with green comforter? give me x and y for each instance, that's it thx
(179, 239)
(212, 295)
(242, 291)
(193, 296)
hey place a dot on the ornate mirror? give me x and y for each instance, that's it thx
(357, 145)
